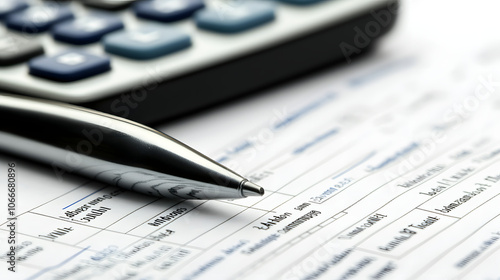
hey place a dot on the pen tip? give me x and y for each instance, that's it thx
(251, 189)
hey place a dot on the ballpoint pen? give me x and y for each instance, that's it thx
(113, 150)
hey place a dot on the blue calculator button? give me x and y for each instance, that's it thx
(86, 30)
(38, 19)
(69, 66)
(147, 42)
(243, 16)
(167, 10)
(301, 2)
(11, 6)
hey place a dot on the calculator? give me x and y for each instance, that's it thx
(157, 59)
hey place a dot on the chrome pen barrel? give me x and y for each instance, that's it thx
(112, 150)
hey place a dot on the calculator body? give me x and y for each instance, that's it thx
(217, 66)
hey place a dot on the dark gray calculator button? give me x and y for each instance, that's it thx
(15, 49)
(108, 4)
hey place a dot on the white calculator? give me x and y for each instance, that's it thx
(156, 59)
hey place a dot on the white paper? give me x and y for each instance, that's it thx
(386, 169)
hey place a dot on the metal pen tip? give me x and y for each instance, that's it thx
(251, 189)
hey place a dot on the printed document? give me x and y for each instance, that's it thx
(388, 168)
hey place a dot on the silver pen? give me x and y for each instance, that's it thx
(113, 150)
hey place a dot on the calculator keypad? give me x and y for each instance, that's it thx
(107, 31)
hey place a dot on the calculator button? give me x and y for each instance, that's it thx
(15, 49)
(301, 2)
(86, 30)
(147, 42)
(167, 10)
(11, 6)
(108, 4)
(241, 17)
(38, 18)
(69, 66)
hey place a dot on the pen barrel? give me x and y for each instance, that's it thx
(110, 149)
